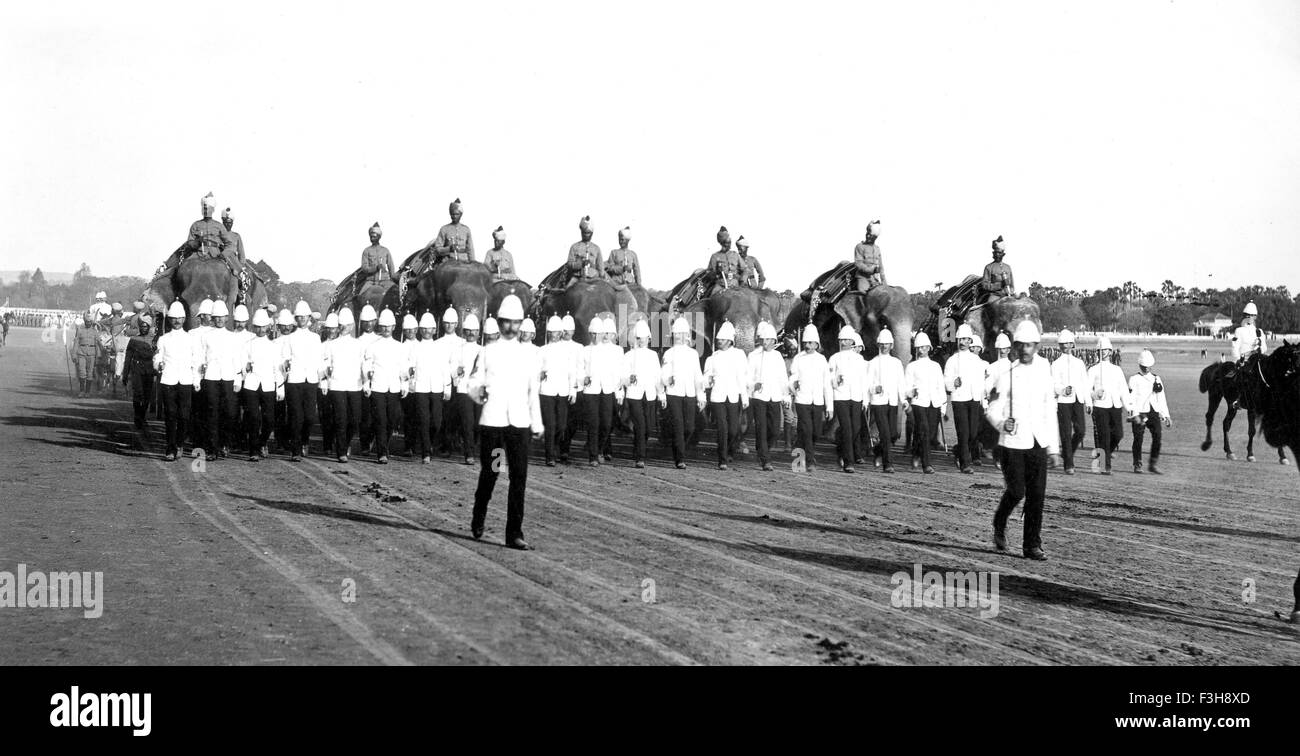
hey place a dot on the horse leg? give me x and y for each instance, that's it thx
(1215, 399)
(1227, 428)
(1250, 435)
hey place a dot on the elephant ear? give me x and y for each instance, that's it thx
(853, 310)
(162, 289)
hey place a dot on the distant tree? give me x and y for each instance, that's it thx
(1172, 319)
(1135, 319)
(1098, 310)
(1058, 315)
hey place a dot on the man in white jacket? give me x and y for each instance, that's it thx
(1070, 380)
(559, 389)
(263, 385)
(343, 358)
(1024, 412)
(682, 388)
(177, 363)
(726, 378)
(430, 386)
(886, 392)
(845, 387)
(808, 378)
(769, 392)
(304, 360)
(386, 369)
(463, 359)
(1110, 401)
(641, 387)
(963, 377)
(219, 371)
(929, 400)
(1150, 410)
(602, 369)
(508, 386)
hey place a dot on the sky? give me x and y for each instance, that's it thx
(1106, 141)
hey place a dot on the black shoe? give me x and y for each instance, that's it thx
(639, 464)
(929, 470)
(1137, 469)
(550, 463)
(681, 465)
(977, 462)
(1151, 468)
(518, 543)
(999, 538)
(476, 531)
(767, 467)
(1036, 554)
(968, 470)
(383, 460)
(849, 469)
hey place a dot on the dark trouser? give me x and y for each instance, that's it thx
(467, 413)
(410, 434)
(365, 424)
(681, 415)
(199, 417)
(809, 426)
(346, 408)
(142, 388)
(176, 401)
(726, 416)
(637, 410)
(219, 420)
(1025, 473)
(386, 413)
(259, 417)
(848, 414)
(427, 411)
(301, 398)
(555, 423)
(1146, 421)
(598, 411)
(282, 421)
(767, 424)
(886, 417)
(515, 442)
(1108, 422)
(327, 431)
(1069, 420)
(966, 418)
(925, 420)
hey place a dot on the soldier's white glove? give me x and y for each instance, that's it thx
(365, 390)
(279, 393)
(446, 395)
(405, 391)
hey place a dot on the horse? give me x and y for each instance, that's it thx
(1219, 380)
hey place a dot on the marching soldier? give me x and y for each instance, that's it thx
(886, 391)
(242, 337)
(1110, 400)
(376, 261)
(430, 385)
(139, 372)
(449, 342)
(176, 360)
(558, 388)
(725, 263)
(623, 267)
(498, 259)
(682, 383)
(602, 369)
(997, 281)
(1073, 400)
(641, 369)
(342, 358)
(929, 399)
(750, 270)
(726, 378)
(386, 370)
(964, 378)
(410, 337)
(846, 380)
(867, 259)
(324, 406)
(808, 378)
(273, 329)
(366, 339)
(263, 386)
(219, 368)
(1023, 414)
(286, 324)
(463, 360)
(1248, 339)
(303, 357)
(576, 351)
(1150, 408)
(528, 334)
(584, 256)
(994, 371)
(769, 392)
(508, 388)
(85, 348)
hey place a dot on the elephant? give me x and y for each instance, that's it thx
(867, 313)
(463, 286)
(378, 296)
(585, 299)
(1000, 315)
(198, 278)
(744, 308)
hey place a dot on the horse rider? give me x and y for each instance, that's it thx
(1150, 409)
(84, 351)
(623, 267)
(997, 280)
(725, 263)
(584, 260)
(376, 262)
(1073, 400)
(867, 259)
(751, 271)
(498, 259)
(1247, 339)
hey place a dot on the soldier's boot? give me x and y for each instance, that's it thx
(1151, 466)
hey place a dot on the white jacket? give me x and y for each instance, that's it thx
(1107, 388)
(463, 359)
(178, 358)
(768, 380)
(850, 366)
(1025, 392)
(728, 371)
(643, 363)
(1247, 339)
(1069, 370)
(556, 360)
(343, 358)
(510, 374)
(970, 369)
(924, 376)
(432, 367)
(886, 371)
(681, 374)
(305, 354)
(385, 363)
(267, 371)
(222, 358)
(1144, 396)
(810, 372)
(603, 364)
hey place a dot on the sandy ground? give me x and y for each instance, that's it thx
(243, 563)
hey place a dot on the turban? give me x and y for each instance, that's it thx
(499, 234)
(625, 232)
(455, 206)
(585, 223)
(210, 201)
(741, 243)
(998, 244)
(723, 235)
(226, 214)
(376, 228)
(873, 228)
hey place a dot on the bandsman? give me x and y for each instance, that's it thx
(430, 370)
(177, 362)
(219, 369)
(324, 406)
(558, 381)
(886, 391)
(263, 386)
(342, 358)
(963, 376)
(846, 380)
(602, 369)
(463, 360)
(450, 342)
(682, 383)
(366, 339)
(386, 371)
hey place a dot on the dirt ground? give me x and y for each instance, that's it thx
(248, 563)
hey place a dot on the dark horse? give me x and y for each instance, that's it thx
(1221, 381)
(1272, 387)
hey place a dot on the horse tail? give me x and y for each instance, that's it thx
(1207, 376)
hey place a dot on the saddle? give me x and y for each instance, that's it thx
(831, 286)
(699, 285)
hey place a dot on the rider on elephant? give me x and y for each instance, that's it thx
(997, 281)
(453, 242)
(208, 238)
(751, 271)
(498, 259)
(725, 263)
(868, 261)
(376, 262)
(623, 267)
(584, 256)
